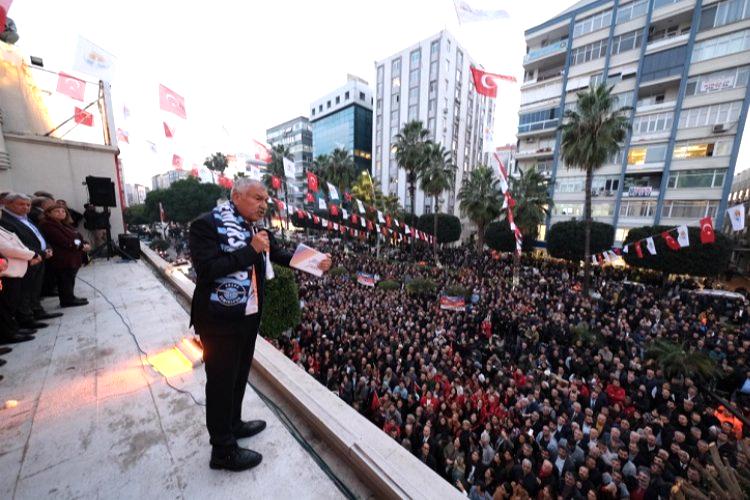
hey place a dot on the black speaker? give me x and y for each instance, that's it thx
(101, 191)
(130, 246)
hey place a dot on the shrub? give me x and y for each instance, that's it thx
(565, 240)
(159, 245)
(498, 236)
(697, 259)
(448, 226)
(457, 291)
(281, 309)
(338, 271)
(421, 286)
(389, 285)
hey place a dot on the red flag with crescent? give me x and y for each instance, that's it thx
(71, 86)
(194, 172)
(333, 209)
(168, 131)
(486, 83)
(309, 198)
(83, 117)
(670, 241)
(638, 249)
(707, 230)
(171, 101)
(275, 182)
(177, 162)
(312, 182)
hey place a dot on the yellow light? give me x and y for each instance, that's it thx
(171, 362)
(11, 403)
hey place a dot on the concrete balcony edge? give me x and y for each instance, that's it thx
(379, 461)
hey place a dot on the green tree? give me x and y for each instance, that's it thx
(320, 164)
(217, 162)
(281, 309)
(411, 146)
(591, 135)
(437, 175)
(448, 226)
(340, 170)
(533, 202)
(565, 240)
(499, 236)
(696, 260)
(184, 200)
(137, 215)
(479, 198)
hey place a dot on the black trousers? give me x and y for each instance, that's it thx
(228, 359)
(26, 292)
(66, 282)
(8, 303)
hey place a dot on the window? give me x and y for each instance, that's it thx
(631, 208)
(338, 99)
(663, 64)
(538, 120)
(716, 114)
(718, 81)
(592, 23)
(721, 46)
(726, 12)
(361, 96)
(652, 153)
(690, 179)
(328, 105)
(683, 209)
(690, 150)
(663, 3)
(320, 108)
(590, 52)
(435, 50)
(572, 209)
(312, 111)
(631, 11)
(653, 123)
(602, 209)
(626, 42)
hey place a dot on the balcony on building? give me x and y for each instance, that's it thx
(669, 32)
(642, 185)
(553, 49)
(536, 148)
(661, 96)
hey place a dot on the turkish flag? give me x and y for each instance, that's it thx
(260, 152)
(4, 8)
(333, 209)
(171, 101)
(312, 182)
(300, 214)
(638, 249)
(347, 196)
(485, 82)
(177, 162)
(275, 182)
(194, 172)
(225, 182)
(168, 131)
(354, 218)
(388, 221)
(670, 241)
(309, 198)
(707, 231)
(123, 136)
(83, 117)
(316, 219)
(71, 86)
(369, 225)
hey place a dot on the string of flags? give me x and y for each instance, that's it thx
(509, 203)
(675, 238)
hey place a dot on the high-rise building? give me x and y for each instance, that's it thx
(343, 119)
(431, 82)
(507, 155)
(297, 135)
(135, 194)
(682, 66)
(163, 181)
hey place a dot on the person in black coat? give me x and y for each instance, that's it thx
(29, 288)
(226, 310)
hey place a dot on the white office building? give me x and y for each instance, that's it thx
(431, 82)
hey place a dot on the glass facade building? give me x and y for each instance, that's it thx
(349, 128)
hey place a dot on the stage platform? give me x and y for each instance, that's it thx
(93, 420)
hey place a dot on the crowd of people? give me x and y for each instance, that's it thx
(41, 250)
(535, 391)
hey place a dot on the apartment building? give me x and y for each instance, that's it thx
(682, 65)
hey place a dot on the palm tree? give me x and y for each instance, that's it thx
(590, 135)
(480, 199)
(320, 164)
(533, 202)
(676, 362)
(438, 175)
(340, 170)
(410, 145)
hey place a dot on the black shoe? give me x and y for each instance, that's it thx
(15, 339)
(47, 315)
(234, 459)
(5, 350)
(248, 429)
(2, 362)
(74, 303)
(26, 331)
(34, 325)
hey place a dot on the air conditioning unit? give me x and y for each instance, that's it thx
(718, 129)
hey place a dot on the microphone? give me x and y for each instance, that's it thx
(267, 255)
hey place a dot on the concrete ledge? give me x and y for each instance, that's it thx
(54, 141)
(378, 460)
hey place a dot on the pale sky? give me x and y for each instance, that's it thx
(247, 66)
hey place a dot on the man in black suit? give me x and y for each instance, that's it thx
(29, 288)
(226, 311)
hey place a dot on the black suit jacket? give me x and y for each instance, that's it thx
(25, 234)
(211, 263)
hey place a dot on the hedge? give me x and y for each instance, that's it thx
(448, 228)
(281, 309)
(389, 285)
(565, 240)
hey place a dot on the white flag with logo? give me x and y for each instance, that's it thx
(593, 260)
(682, 236)
(625, 249)
(344, 214)
(332, 192)
(94, 60)
(380, 217)
(360, 206)
(289, 169)
(650, 245)
(321, 203)
(737, 217)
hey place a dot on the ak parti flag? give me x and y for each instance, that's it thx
(71, 86)
(485, 82)
(670, 241)
(707, 230)
(172, 102)
(177, 162)
(83, 117)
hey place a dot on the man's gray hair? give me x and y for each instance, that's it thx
(11, 197)
(242, 184)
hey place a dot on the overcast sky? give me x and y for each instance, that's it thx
(246, 66)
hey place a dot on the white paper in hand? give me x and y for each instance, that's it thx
(307, 259)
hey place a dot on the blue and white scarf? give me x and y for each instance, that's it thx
(235, 295)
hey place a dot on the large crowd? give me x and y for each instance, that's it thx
(534, 391)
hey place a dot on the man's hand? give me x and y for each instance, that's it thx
(36, 260)
(325, 264)
(3, 264)
(260, 242)
(48, 253)
(86, 247)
